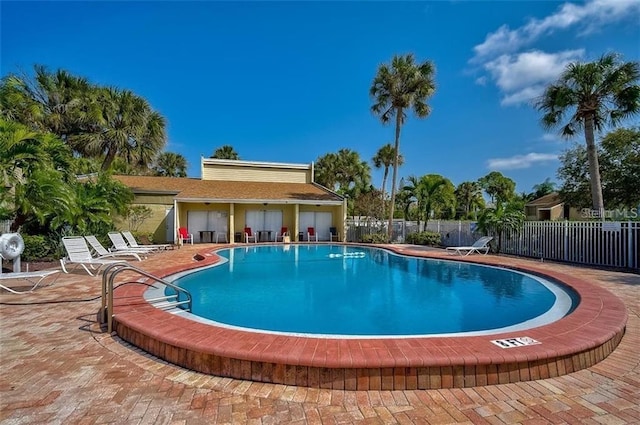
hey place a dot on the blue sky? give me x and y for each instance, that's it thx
(289, 81)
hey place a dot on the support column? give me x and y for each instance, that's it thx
(232, 223)
(296, 221)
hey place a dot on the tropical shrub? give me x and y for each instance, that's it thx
(37, 247)
(375, 238)
(424, 238)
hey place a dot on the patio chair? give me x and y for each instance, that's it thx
(78, 254)
(311, 234)
(480, 246)
(333, 234)
(248, 235)
(102, 252)
(133, 243)
(119, 245)
(33, 278)
(184, 236)
(284, 231)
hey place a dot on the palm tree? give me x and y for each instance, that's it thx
(225, 152)
(55, 102)
(170, 164)
(385, 157)
(438, 198)
(325, 171)
(397, 87)
(469, 197)
(344, 172)
(413, 192)
(32, 185)
(128, 128)
(404, 199)
(505, 216)
(597, 93)
(544, 188)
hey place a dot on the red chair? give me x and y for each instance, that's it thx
(311, 234)
(248, 235)
(284, 231)
(184, 236)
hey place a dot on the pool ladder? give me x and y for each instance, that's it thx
(167, 302)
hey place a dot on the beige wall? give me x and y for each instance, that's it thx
(154, 225)
(255, 173)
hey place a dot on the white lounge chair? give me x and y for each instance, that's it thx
(102, 252)
(480, 246)
(78, 254)
(134, 244)
(34, 278)
(119, 244)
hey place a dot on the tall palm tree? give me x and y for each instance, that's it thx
(225, 152)
(597, 93)
(171, 164)
(397, 87)
(385, 157)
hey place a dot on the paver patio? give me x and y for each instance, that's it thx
(58, 366)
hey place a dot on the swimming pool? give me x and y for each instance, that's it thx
(348, 291)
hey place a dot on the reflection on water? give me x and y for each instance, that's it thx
(333, 289)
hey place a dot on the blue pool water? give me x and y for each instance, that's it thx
(359, 291)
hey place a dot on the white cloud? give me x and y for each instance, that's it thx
(522, 77)
(588, 17)
(520, 161)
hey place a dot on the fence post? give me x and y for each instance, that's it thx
(459, 233)
(565, 254)
(630, 236)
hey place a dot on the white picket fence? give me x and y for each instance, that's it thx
(596, 243)
(599, 243)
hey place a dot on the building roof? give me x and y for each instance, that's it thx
(546, 201)
(196, 190)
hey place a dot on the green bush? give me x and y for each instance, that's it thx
(37, 247)
(424, 238)
(375, 238)
(143, 238)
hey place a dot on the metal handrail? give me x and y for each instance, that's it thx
(108, 277)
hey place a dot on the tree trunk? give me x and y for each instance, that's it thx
(395, 172)
(594, 166)
(384, 186)
(108, 159)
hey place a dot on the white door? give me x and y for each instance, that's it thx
(323, 223)
(261, 220)
(197, 221)
(307, 219)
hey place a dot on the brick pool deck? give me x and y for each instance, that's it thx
(58, 366)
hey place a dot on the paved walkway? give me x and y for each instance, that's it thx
(58, 366)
